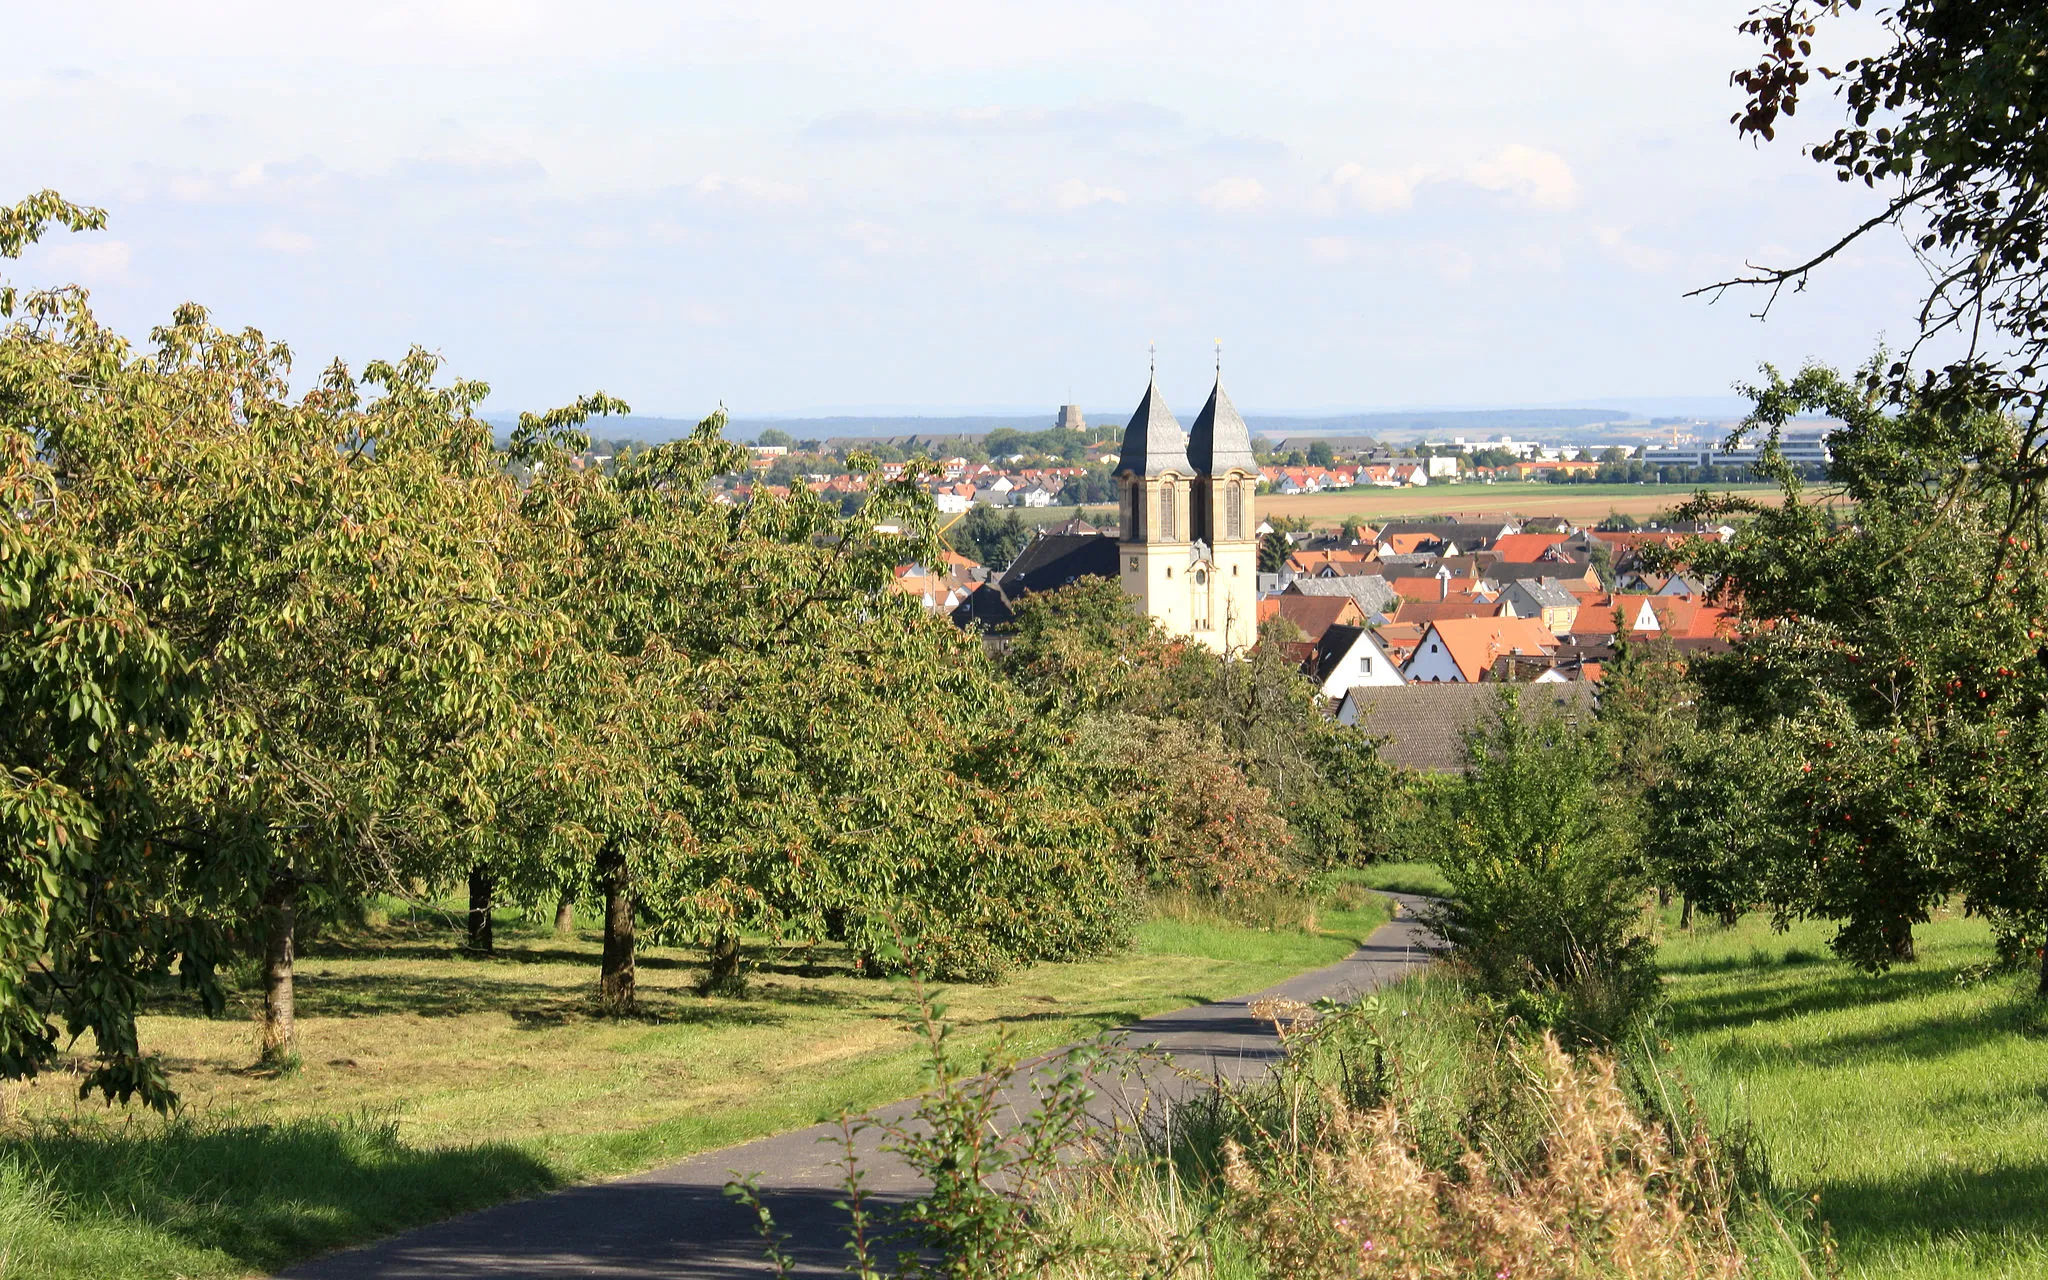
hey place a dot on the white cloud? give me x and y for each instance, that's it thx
(1452, 264)
(1375, 190)
(871, 236)
(747, 190)
(1636, 257)
(1540, 179)
(1230, 195)
(278, 240)
(1076, 194)
(598, 238)
(92, 261)
(1333, 251)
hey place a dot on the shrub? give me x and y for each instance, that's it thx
(1545, 908)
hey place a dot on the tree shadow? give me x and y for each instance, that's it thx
(370, 995)
(1991, 1213)
(266, 1194)
(1815, 994)
(1923, 1038)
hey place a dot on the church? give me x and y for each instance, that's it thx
(1187, 543)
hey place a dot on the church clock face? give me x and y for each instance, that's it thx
(1201, 577)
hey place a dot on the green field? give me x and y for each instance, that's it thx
(434, 1083)
(1913, 1104)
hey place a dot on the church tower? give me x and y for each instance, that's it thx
(1188, 550)
(1154, 480)
(1226, 477)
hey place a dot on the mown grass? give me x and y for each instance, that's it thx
(1403, 877)
(434, 1082)
(1914, 1104)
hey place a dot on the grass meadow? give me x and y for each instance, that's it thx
(433, 1082)
(1913, 1104)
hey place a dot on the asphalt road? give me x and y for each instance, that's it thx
(678, 1222)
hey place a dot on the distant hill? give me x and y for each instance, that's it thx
(1398, 425)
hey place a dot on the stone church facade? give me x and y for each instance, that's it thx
(1187, 546)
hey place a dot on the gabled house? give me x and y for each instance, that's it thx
(1347, 657)
(1314, 615)
(1527, 548)
(1423, 727)
(1463, 650)
(1543, 599)
(1371, 591)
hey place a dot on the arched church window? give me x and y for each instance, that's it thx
(1233, 511)
(1169, 513)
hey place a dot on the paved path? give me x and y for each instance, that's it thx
(677, 1221)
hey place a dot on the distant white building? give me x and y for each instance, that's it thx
(1800, 447)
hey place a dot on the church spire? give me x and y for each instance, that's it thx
(1154, 444)
(1220, 441)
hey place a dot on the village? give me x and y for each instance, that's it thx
(1379, 620)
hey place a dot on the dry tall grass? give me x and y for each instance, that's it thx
(1609, 1196)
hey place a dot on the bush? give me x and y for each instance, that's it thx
(1545, 906)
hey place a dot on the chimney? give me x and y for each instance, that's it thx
(1443, 583)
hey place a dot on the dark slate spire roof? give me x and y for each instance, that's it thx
(1219, 440)
(1154, 443)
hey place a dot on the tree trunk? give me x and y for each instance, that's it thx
(1898, 937)
(280, 917)
(1685, 913)
(1730, 917)
(1663, 896)
(481, 885)
(615, 981)
(724, 973)
(2041, 991)
(565, 916)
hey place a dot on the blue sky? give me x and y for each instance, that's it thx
(799, 207)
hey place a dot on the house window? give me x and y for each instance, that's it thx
(1365, 665)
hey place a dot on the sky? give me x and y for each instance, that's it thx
(796, 207)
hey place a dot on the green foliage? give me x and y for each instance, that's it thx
(264, 656)
(990, 536)
(1545, 900)
(1944, 112)
(1893, 675)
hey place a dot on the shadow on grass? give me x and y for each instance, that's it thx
(1759, 959)
(263, 1194)
(1925, 1037)
(1814, 994)
(1991, 1213)
(361, 948)
(370, 995)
